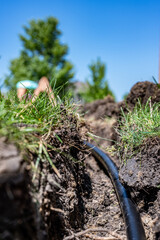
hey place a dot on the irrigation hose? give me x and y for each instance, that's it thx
(133, 223)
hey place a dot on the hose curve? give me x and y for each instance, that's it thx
(133, 223)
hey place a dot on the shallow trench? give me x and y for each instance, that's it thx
(80, 205)
(55, 208)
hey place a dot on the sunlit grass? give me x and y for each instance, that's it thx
(138, 125)
(29, 124)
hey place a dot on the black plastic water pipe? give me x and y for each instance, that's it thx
(133, 223)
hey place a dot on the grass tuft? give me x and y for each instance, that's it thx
(138, 125)
(29, 125)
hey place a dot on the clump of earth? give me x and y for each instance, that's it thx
(143, 91)
(101, 108)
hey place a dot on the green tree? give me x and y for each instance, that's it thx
(42, 54)
(97, 86)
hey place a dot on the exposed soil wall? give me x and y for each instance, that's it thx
(141, 175)
(80, 204)
(83, 198)
(17, 211)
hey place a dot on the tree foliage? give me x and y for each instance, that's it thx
(42, 54)
(97, 85)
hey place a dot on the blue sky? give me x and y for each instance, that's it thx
(125, 35)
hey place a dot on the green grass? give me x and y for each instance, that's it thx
(138, 125)
(29, 125)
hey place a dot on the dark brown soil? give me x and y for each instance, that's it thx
(143, 91)
(141, 174)
(83, 198)
(143, 170)
(17, 211)
(102, 108)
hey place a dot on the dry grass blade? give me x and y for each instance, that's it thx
(114, 234)
(50, 161)
(38, 160)
(95, 237)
